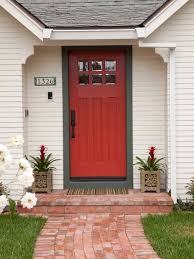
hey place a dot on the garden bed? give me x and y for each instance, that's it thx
(172, 236)
(184, 206)
(18, 236)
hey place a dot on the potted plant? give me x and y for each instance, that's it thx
(43, 171)
(150, 170)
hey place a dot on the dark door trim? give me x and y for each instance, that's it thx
(128, 182)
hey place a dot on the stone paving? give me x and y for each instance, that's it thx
(93, 235)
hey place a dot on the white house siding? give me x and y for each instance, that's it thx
(45, 121)
(149, 105)
(13, 48)
(180, 30)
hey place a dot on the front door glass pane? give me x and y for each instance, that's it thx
(83, 79)
(97, 65)
(83, 65)
(97, 79)
(110, 79)
(110, 65)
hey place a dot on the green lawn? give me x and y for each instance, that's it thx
(171, 236)
(18, 235)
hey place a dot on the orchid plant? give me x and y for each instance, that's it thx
(151, 163)
(24, 176)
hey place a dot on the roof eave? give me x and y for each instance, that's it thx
(94, 34)
(141, 31)
(27, 12)
(23, 17)
(153, 22)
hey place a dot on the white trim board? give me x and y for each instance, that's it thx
(23, 18)
(172, 122)
(157, 20)
(167, 52)
(91, 34)
(42, 33)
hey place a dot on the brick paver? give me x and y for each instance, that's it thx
(133, 203)
(98, 235)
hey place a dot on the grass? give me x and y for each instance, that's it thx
(171, 236)
(18, 236)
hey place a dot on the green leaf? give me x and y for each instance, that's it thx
(43, 165)
(149, 164)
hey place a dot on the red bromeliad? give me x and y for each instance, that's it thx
(152, 163)
(43, 163)
(152, 152)
(42, 152)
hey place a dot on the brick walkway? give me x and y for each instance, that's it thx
(101, 235)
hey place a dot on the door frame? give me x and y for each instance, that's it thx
(128, 182)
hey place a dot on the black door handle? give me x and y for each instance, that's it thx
(73, 123)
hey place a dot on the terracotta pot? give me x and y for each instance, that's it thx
(150, 181)
(43, 182)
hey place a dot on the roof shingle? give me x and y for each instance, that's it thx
(91, 13)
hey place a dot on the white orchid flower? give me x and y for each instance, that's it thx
(24, 174)
(5, 157)
(26, 178)
(16, 141)
(23, 165)
(29, 200)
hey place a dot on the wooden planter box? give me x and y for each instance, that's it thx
(150, 181)
(43, 182)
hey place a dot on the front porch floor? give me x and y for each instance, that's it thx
(133, 203)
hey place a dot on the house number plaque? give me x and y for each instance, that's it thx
(45, 81)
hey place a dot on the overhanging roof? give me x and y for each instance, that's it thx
(93, 13)
(46, 21)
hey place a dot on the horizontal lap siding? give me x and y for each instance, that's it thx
(149, 105)
(180, 29)
(11, 113)
(13, 39)
(45, 121)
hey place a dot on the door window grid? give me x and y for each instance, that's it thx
(97, 72)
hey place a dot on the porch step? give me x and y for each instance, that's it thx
(133, 203)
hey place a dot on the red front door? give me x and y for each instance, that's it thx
(97, 114)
